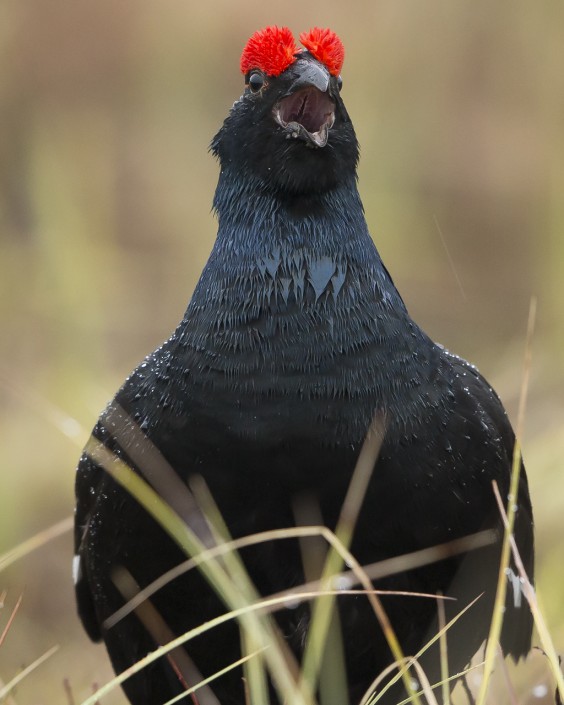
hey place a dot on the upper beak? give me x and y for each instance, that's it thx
(307, 111)
(308, 73)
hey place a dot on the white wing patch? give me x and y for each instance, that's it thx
(76, 569)
(515, 582)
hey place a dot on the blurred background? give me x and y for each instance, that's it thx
(106, 113)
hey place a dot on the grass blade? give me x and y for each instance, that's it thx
(499, 604)
(213, 570)
(5, 691)
(35, 542)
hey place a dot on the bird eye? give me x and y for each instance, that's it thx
(339, 82)
(256, 81)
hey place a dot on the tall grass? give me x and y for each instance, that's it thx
(225, 572)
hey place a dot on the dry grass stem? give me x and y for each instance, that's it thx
(373, 570)
(10, 619)
(6, 690)
(35, 542)
(528, 590)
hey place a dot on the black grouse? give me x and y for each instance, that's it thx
(294, 341)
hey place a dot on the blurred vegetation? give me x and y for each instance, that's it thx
(107, 110)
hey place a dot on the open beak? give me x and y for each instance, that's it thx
(307, 111)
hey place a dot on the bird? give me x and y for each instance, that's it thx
(294, 347)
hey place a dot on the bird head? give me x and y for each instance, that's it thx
(290, 127)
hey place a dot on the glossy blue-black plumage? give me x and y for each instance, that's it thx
(294, 338)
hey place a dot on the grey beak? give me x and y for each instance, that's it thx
(308, 73)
